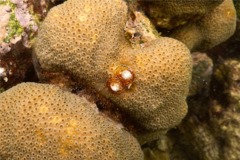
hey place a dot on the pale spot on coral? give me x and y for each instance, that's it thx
(56, 119)
(73, 123)
(82, 17)
(230, 14)
(63, 152)
(43, 109)
(87, 8)
(70, 130)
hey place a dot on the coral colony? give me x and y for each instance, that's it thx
(110, 79)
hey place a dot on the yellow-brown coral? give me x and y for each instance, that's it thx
(200, 24)
(39, 121)
(215, 27)
(173, 13)
(86, 38)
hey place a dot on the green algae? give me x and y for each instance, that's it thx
(14, 28)
(7, 2)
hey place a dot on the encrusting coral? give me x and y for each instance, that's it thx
(40, 121)
(149, 84)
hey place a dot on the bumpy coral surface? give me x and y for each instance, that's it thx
(92, 47)
(215, 27)
(172, 13)
(162, 74)
(200, 24)
(39, 121)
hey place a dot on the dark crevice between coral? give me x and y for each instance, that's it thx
(80, 87)
(219, 54)
(30, 75)
(200, 114)
(111, 110)
(199, 107)
(205, 110)
(217, 89)
(227, 49)
(57, 2)
(18, 68)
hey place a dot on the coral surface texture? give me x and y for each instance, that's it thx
(93, 48)
(53, 124)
